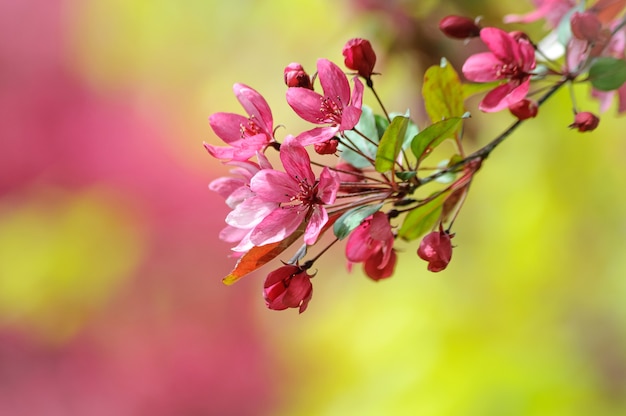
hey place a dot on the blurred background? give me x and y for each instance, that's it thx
(111, 301)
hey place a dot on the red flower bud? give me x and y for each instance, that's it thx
(436, 249)
(585, 121)
(288, 287)
(459, 27)
(296, 76)
(524, 109)
(586, 26)
(329, 147)
(360, 56)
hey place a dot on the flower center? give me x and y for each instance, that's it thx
(250, 128)
(331, 110)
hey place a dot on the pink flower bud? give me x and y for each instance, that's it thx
(586, 26)
(436, 249)
(288, 287)
(360, 56)
(585, 121)
(459, 27)
(329, 147)
(296, 76)
(524, 109)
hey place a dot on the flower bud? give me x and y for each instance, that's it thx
(436, 249)
(586, 26)
(524, 109)
(585, 121)
(459, 27)
(329, 147)
(288, 287)
(360, 56)
(296, 76)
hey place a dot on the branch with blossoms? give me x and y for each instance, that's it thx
(370, 183)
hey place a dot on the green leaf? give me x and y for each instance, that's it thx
(368, 126)
(391, 144)
(381, 124)
(607, 74)
(442, 92)
(429, 138)
(352, 219)
(422, 219)
(406, 175)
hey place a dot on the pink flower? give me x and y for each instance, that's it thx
(336, 107)
(371, 243)
(436, 249)
(288, 287)
(244, 135)
(360, 56)
(551, 10)
(511, 58)
(300, 196)
(524, 109)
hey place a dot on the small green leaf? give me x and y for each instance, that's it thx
(442, 92)
(351, 219)
(381, 124)
(391, 144)
(429, 138)
(607, 74)
(406, 175)
(423, 218)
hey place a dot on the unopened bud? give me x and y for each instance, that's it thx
(586, 26)
(585, 121)
(436, 249)
(329, 147)
(360, 56)
(296, 76)
(524, 109)
(459, 27)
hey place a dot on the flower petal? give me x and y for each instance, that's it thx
(306, 103)
(319, 217)
(482, 67)
(296, 162)
(273, 185)
(255, 105)
(227, 126)
(277, 226)
(334, 81)
(503, 46)
(316, 135)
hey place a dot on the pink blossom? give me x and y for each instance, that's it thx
(300, 197)
(288, 287)
(244, 135)
(459, 27)
(337, 107)
(360, 56)
(550, 10)
(585, 121)
(371, 243)
(511, 58)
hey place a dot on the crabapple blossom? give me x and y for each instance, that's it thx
(512, 58)
(360, 56)
(338, 107)
(585, 121)
(298, 195)
(371, 243)
(436, 249)
(244, 135)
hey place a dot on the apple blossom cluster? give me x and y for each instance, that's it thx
(375, 179)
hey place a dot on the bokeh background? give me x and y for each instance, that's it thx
(111, 301)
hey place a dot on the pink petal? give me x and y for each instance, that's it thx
(296, 162)
(226, 185)
(277, 226)
(482, 67)
(255, 105)
(227, 126)
(503, 96)
(350, 118)
(357, 93)
(360, 246)
(334, 81)
(306, 103)
(249, 213)
(319, 217)
(220, 152)
(328, 186)
(503, 46)
(273, 185)
(316, 135)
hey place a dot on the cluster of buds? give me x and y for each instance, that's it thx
(368, 178)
